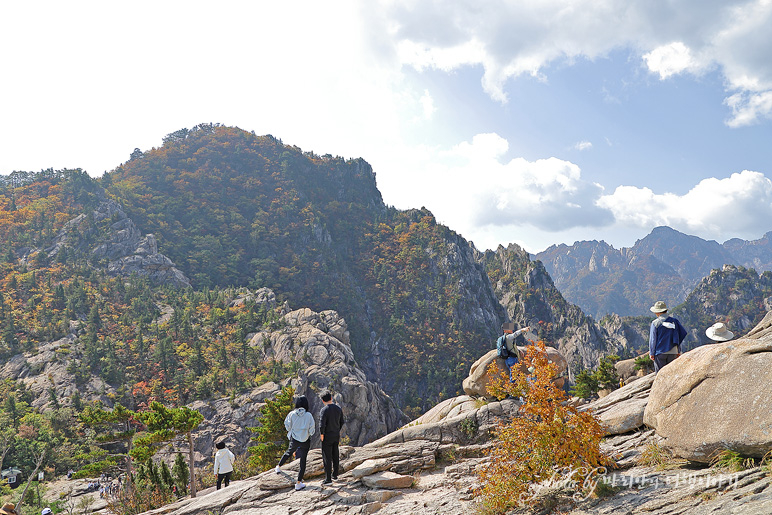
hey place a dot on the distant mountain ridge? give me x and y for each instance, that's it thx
(666, 264)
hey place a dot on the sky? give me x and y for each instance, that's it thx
(533, 122)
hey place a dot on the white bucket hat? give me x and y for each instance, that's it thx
(659, 307)
(719, 333)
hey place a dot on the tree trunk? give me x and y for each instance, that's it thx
(38, 463)
(190, 462)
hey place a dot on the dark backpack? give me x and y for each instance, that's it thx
(501, 347)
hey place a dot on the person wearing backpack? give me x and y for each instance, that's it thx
(506, 345)
(665, 336)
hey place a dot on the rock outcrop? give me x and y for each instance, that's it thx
(108, 233)
(318, 345)
(622, 410)
(476, 385)
(716, 397)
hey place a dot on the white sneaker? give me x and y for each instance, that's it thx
(300, 486)
(278, 469)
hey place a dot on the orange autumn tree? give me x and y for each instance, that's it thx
(547, 439)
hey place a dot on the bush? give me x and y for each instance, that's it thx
(644, 363)
(546, 436)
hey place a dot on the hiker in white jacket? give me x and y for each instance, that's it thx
(300, 426)
(223, 464)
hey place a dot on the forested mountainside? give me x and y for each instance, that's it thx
(737, 296)
(666, 264)
(229, 207)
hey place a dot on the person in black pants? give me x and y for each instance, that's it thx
(329, 429)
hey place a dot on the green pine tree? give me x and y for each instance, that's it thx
(271, 436)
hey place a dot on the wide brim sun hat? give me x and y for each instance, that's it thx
(8, 509)
(719, 333)
(659, 307)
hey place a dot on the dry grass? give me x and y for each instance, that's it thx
(654, 455)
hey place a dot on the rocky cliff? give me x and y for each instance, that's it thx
(107, 234)
(529, 296)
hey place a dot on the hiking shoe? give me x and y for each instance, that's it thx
(300, 486)
(334, 478)
(278, 469)
(327, 482)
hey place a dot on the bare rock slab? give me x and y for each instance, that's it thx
(387, 480)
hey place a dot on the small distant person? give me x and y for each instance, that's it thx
(8, 508)
(718, 333)
(223, 464)
(300, 426)
(330, 423)
(507, 343)
(665, 336)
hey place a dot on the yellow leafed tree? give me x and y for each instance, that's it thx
(546, 440)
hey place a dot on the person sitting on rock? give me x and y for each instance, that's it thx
(665, 336)
(300, 426)
(509, 340)
(719, 332)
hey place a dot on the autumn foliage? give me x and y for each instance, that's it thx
(547, 440)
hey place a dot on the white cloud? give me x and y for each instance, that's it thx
(737, 206)
(670, 60)
(510, 39)
(474, 189)
(583, 145)
(749, 108)
(427, 103)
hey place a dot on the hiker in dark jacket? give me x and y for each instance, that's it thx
(665, 336)
(329, 429)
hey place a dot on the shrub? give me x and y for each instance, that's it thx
(732, 460)
(547, 437)
(644, 363)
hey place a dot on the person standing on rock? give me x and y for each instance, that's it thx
(300, 426)
(330, 423)
(719, 333)
(223, 464)
(507, 345)
(665, 336)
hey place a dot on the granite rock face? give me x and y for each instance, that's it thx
(108, 233)
(318, 345)
(716, 397)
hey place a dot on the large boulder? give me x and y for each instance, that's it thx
(622, 410)
(716, 397)
(476, 384)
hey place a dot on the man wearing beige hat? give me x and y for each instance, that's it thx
(8, 509)
(665, 336)
(719, 332)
